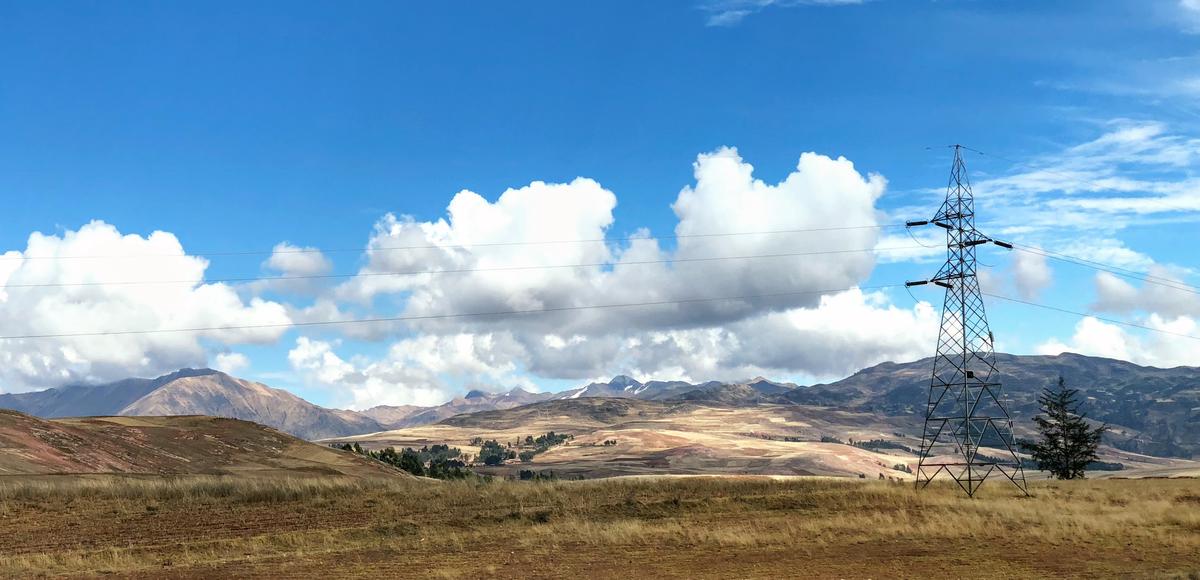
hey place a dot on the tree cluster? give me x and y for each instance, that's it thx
(491, 452)
(436, 461)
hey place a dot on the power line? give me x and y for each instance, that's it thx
(458, 270)
(438, 247)
(1115, 270)
(1083, 314)
(561, 309)
(442, 316)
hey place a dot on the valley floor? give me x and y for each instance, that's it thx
(637, 527)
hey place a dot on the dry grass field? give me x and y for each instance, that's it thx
(617, 528)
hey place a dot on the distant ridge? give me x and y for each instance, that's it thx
(194, 392)
(474, 401)
(1153, 411)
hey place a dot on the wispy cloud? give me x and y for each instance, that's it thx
(1135, 173)
(732, 12)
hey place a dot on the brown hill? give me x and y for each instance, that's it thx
(195, 392)
(392, 416)
(625, 436)
(473, 402)
(220, 395)
(1152, 411)
(668, 437)
(165, 446)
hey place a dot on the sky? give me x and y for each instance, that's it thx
(162, 162)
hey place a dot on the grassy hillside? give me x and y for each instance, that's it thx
(648, 528)
(164, 445)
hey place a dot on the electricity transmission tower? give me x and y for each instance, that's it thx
(968, 433)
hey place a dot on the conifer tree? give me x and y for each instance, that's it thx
(1068, 444)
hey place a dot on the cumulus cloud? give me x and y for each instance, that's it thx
(790, 315)
(230, 362)
(1031, 274)
(536, 247)
(291, 260)
(49, 289)
(841, 334)
(492, 274)
(290, 265)
(414, 371)
(1098, 338)
(1170, 296)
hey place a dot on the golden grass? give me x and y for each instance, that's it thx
(677, 527)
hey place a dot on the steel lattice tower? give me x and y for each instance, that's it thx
(968, 434)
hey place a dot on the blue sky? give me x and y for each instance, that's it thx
(238, 126)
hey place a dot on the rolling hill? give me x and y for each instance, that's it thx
(194, 392)
(473, 402)
(165, 446)
(632, 437)
(1152, 411)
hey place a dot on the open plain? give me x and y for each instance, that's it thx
(684, 527)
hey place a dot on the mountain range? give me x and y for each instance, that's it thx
(1151, 410)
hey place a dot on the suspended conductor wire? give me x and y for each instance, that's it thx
(441, 316)
(450, 246)
(457, 270)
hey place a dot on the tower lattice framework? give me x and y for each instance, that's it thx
(968, 433)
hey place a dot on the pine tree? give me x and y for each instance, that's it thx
(1068, 444)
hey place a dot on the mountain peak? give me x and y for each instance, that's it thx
(623, 381)
(188, 372)
(475, 394)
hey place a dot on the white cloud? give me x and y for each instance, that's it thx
(1109, 251)
(295, 262)
(477, 236)
(82, 306)
(230, 362)
(1168, 297)
(1133, 173)
(1030, 274)
(1097, 338)
(291, 260)
(841, 334)
(413, 372)
(318, 360)
(818, 330)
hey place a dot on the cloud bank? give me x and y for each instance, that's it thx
(48, 289)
